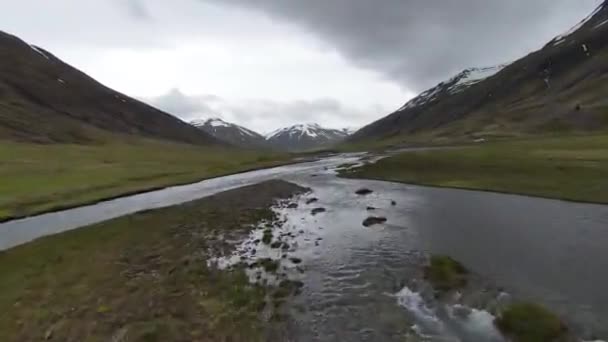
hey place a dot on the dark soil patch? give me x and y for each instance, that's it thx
(312, 200)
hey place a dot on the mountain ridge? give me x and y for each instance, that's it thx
(45, 100)
(296, 137)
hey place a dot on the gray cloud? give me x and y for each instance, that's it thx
(264, 115)
(421, 42)
(185, 107)
(137, 9)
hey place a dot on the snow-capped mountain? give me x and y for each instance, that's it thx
(294, 138)
(454, 85)
(349, 130)
(304, 137)
(561, 86)
(560, 39)
(231, 133)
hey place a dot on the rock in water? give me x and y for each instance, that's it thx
(373, 220)
(316, 211)
(363, 192)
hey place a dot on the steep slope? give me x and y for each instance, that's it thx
(44, 100)
(561, 87)
(304, 137)
(231, 133)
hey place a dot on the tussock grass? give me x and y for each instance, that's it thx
(39, 178)
(568, 167)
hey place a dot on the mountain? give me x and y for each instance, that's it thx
(231, 133)
(294, 138)
(305, 137)
(44, 100)
(349, 130)
(560, 88)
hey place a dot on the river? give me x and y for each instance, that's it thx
(357, 279)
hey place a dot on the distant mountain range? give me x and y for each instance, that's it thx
(560, 88)
(231, 133)
(44, 100)
(305, 137)
(294, 138)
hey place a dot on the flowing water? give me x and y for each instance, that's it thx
(358, 279)
(360, 283)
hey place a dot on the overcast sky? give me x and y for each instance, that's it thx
(270, 63)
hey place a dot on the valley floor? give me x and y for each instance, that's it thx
(38, 178)
(143, 277)
(571, 168)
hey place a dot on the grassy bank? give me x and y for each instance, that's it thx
(141, 277)
(41, 178)
(572, 168)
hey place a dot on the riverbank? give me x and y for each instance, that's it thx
(568, 168)
(143, 276)
(46, 178)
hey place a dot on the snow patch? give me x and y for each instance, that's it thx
(217, 122)
(39, 51)
(472, 76)
(60, 81)
(423, 98)
(310, 130)
(246, 131)
(454, 85)
(600, 24)
(349, 130)
(562, 37)
(559, 41)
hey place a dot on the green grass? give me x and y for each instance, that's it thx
(40, 178)
(445, 273)
(527, 322)
(143, 275)
(267, 237)
(568, 167)
(270, 265)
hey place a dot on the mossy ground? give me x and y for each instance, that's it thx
(142, 277)
(445, 273)
(527, 322)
